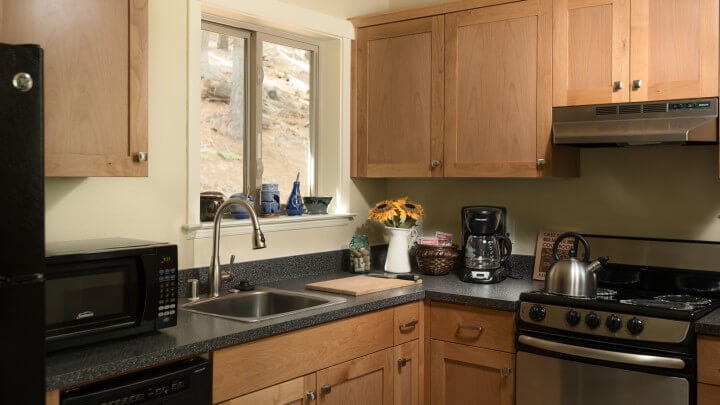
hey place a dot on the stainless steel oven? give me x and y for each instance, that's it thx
(559, 372)
(633, 342)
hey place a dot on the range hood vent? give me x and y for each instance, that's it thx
(676, 121)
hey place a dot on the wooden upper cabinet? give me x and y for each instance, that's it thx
(674, 49)
(591, 51)
(498, 111)
(399, 90)
(611, 51)
(95, 63)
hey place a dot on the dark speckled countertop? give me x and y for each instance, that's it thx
(196, 334)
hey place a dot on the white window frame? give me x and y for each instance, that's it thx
(332, 130)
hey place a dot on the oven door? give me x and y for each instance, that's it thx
(558, 372)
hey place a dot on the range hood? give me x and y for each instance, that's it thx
(658, 122)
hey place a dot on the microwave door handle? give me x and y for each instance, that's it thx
(604, 355)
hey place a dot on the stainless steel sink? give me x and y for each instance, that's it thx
(261, 304)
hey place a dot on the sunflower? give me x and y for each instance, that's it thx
(382, 212)
(398, 213)
(413, 210)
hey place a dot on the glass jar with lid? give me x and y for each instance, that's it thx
(359, 254)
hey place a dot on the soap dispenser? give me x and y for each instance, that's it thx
(294, 204)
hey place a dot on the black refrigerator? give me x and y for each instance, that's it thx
(22, 286)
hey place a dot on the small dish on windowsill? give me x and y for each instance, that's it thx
(316, 205)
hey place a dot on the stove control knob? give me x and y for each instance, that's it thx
(572, 317)
(613, 323)
(592, 320)
(635, 326)
(537, 313)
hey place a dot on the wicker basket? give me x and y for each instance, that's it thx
(436, 260)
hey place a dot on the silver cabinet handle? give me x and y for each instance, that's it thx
(541, 163)
(434, 163)
(505, 371)
(470, 327)
(326, 389)
(408, 325)
(141, 157)
(637, 84)
(22, 81)
(311, 395)
(617, 85)
(402, 362)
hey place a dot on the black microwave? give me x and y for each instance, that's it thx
(103, 289)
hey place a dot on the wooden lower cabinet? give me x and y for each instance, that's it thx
(708, 394)
(365, 380)
(358, 360)
(293, 392)
(407, 364)
(708, 370)
(462, 374)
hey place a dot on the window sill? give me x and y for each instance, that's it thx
(282, 223)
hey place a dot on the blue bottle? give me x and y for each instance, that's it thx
(294, 204)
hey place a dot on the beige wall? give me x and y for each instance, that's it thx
(661, 191)
(654, 191)
(156, 207)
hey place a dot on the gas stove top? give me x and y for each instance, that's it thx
(651, 303)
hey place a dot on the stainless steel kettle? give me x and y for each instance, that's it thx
(573, 277)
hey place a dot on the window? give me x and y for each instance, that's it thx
(257, 110)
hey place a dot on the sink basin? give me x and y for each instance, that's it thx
(261, 304)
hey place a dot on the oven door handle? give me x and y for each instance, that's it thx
(605, 355)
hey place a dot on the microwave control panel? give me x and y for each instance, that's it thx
(167, 274)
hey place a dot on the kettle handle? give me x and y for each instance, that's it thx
(508, 246)
(578, 237)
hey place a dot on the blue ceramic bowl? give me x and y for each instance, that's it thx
(316, 205)
(238, 211)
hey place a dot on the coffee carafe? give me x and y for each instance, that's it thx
(487, 246)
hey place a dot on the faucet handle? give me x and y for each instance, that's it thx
(227, 275)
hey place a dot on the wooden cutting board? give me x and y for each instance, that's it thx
(359, 285)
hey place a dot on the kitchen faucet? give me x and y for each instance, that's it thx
(258, 241)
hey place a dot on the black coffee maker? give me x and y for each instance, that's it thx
(487, 246)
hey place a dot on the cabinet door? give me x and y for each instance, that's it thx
(293, 392)
(708, 394)
(498, 110)
(470, 375)
(591, 52)
(407, 374)
(95, 81)
(399, 81)
(674, 51)
(365, 380)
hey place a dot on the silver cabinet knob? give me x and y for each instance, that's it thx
(636, 84)
(505, 371)
(541, 163)
(326, 389)
(402, 362)
(617, 85)
(22, 81)
(434, 163)
(311, 395)
(141, 157)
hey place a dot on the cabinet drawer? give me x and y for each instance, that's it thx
(248, 367)
(474, 326)
(708, 353)
(407, 323)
